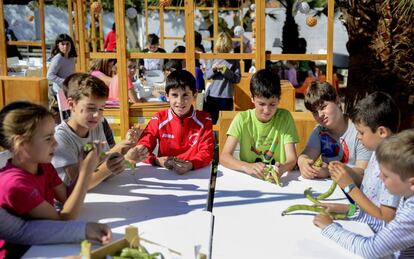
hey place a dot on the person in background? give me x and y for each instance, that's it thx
(110, 40)
(61, 66)
(114, 88)
(172, 65)
(153, 46)
(291, 73)
(11, 50)
(102, 69)
(224, 74)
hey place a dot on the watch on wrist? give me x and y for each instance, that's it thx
(349, 187)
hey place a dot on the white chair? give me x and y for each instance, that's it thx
(64, 109)
(4, 156)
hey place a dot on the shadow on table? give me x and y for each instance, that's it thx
(147, 194)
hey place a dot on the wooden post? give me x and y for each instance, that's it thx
(215, 23)
(329, 48)
(43, 36)
(3, 50)
(260, 35)
(121, 54)
(162, 38)
(101, 33)
(189, 36)
(81, 36)
(92, 31)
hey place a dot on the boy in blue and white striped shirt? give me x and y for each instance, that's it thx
(376, 117)
(396, 158)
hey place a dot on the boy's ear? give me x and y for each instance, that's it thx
(411, 182)
(71, 103)
(383, 132)
(252, 98)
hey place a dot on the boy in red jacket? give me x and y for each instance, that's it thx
(184, 135)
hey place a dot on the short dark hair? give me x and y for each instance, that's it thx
(375, 110)
(318, 93)
(64, 37)
(180, 79)
(79, 85)
(173, 64)
(153, 39)
(396, 153)
(265, 84)
(179, 49)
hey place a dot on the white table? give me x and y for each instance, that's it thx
(248, 221)
(166, 207)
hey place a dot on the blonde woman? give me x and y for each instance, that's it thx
(224, 74)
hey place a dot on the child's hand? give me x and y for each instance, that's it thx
(181, 166)
(115, 163)
(98, 232)
(165, 161)
(223, 69)
(134, 133)
(335, 207)
(339, 174)
(306, 168)
(255, 169)
(322, 220)
(321, 172)
(123, 146)
(92, 158)
(215, 67)
(137, 154)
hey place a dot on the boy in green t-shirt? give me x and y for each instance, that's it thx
(267, 134)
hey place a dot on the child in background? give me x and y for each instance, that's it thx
(86, 98)
(376, 117)
(224, 73)
(172, 65)
(291, 73)
(110, 40)
(263, 131)
(29, 182)
(395, 157)
(153, 43)
(102, 69)
(184, 135)
(62, 64)
(334, 138)
(114, 88)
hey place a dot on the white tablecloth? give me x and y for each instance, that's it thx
(248, 221)
(166, 207)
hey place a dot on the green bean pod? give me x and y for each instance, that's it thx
(308, 194)
(328, 192)
(312, 208)
(270, 175)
